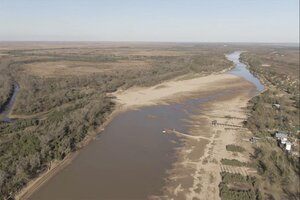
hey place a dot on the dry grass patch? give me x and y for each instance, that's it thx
(62, 68)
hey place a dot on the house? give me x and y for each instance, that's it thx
(279, 135)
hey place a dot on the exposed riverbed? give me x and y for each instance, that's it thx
(130, 159)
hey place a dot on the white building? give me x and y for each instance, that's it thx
(279, 135)
(288, 146)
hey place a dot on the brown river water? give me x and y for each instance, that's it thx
(129, 159)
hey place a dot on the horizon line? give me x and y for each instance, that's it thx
(150, 41)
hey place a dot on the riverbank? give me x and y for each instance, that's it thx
(57, 166)
(196, 174)
(7, 107)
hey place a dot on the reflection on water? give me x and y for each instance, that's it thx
(240, 69)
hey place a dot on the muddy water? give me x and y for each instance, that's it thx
(129, 159)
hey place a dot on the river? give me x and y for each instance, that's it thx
(241, 70)
(8, 106)
(131, 157)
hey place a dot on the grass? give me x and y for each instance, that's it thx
(237, 163)
(234, 148)
(236, 187)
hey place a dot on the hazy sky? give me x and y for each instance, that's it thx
(150, 20)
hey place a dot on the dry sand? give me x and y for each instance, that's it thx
(174, 89)
(196, 174)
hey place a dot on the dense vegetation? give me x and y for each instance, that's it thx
(53, 114)
(236, 187)
(277, 66)
(234, 148)
(234, 162)
(5, 82)
(278, 170)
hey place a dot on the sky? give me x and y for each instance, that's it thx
(271, 21)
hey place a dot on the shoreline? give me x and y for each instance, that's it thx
(196, 174)
(59, 165)
(123, 106)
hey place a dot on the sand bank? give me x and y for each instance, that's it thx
(174, 89)
(196, 174)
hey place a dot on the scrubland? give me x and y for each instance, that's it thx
(278, 170)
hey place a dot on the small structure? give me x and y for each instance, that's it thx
(254, 139)
(279, 135)
(276, 106)
(288, 146)
(283, 140)
(214, 122)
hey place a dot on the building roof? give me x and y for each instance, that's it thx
(280, 135)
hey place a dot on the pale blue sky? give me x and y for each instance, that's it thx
(150, 20)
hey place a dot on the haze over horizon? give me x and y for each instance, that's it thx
(269, 21)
